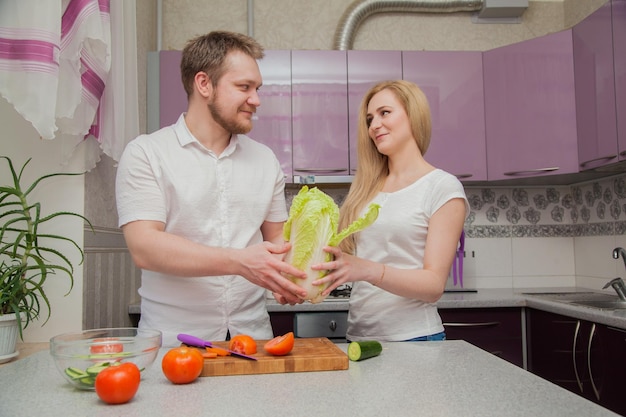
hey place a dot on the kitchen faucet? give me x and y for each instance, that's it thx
(618, 286)
(617, 252)
(618, 283)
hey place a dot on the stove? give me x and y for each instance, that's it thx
(341, 293)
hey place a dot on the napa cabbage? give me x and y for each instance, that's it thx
(312, 224)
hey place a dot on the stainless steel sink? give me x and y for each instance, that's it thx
(568, 297)
(601, 301)
(603, 304)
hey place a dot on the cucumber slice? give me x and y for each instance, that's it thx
(365, 349)
(88, 381)
(95, 369)
(75, 373)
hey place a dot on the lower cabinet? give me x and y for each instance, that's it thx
(496, 330)
(583, 357)
(282, 322)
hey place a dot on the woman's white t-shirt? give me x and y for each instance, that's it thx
(398, 239)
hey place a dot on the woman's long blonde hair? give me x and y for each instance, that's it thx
(373, 166)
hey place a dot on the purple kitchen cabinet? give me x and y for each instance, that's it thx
(365, 69)
(319, 112)
(272, 121)
(530, 108)
(595, 90)
(172, 96)
(619, 59)
(453, 84)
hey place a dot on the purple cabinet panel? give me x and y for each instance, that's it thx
(619, 59)
(366, 68)
(319, 112)
(595, 90)
(453, 84)
(172, 96)
(530, 108)
(272, 121)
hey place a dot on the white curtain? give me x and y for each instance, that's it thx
(70, 68)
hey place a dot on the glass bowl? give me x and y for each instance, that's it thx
(80, 356)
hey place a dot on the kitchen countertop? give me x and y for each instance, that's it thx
(449, 378)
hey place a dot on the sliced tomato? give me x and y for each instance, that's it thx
(280, 345)
(218, 351)
(106, 345)
(242, 343)
(209, 355)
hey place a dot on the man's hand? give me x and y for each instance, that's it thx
(262, 267)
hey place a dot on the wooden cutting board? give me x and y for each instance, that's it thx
(308, 354)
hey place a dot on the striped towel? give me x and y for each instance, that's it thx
(55, 56)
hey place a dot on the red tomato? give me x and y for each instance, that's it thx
(106, 345)
(280, 345)
(182, 365)
(118, 383)
(242, 343)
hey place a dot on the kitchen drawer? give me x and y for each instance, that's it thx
(332, 324)
(499, 323)
(496, 330)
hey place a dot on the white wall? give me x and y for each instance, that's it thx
(20, 141)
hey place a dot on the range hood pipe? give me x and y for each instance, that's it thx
(360, 10)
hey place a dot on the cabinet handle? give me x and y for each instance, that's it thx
(463, 176)
(332, 325)
(602, 158)
(320, 171)
(593, 384)
(622, 153)
(531, 171)
(484, 324)
(580, 384)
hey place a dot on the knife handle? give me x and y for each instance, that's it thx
(193, 340)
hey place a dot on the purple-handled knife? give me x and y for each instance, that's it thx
(461, 255)
(197, 342)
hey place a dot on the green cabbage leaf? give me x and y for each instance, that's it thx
(312, 224)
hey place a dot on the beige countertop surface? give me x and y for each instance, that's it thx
(448, 378)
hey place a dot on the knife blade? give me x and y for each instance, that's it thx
(197, 342)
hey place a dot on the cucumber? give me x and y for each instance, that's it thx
(76, 373)
(95, 369)
(88, 381)
(365, 349)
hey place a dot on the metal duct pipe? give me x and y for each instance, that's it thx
(360, 10)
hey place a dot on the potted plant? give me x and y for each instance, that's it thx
(27, 259)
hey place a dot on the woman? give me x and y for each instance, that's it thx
(400, 264)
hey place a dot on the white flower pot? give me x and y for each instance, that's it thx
(9, 333)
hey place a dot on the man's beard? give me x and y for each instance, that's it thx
(229, 124)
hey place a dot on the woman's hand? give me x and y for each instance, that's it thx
(340, 269)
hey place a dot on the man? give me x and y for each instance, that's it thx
(202, 206)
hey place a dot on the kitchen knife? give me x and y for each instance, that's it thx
(461, 255)
(197, 342)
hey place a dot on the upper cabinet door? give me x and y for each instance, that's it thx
(365, 69)
(595, 90)
(172, 96)
(453, 84)
(530, 108)
(619, 57)
(272, 122)
(320, 112)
